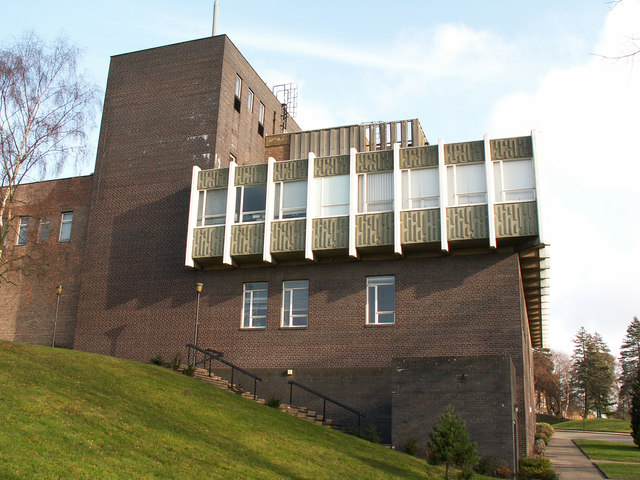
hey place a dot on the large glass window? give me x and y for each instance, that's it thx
(212, 207)
(375, 192)
(381, 300)
(250, 203)
(254, 312)
(420, 188)
(514, 180)
(43, 231)
(466, 184)
(65, 227)
(334, 196)
(291, 200)
(23, 229)
(295, 303)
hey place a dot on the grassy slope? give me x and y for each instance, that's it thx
(597, 425)
(69, 414)
(618, 453)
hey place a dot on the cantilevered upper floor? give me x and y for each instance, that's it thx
(366, 196)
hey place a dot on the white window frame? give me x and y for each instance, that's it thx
(373, 284)
(202, 217)
(44, 227)
(66, 219)
(23, 231)
(249, 321)
(457, 199)
(288, 213)
(261, 114)
(240, 214)
(238, 87)
(501, 192)
(291, 287)
(365, 205)
(408, 198)
(249, 99)
(324, 201)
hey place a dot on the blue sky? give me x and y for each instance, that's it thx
(464, 68)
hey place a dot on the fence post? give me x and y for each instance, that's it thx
(290, 394)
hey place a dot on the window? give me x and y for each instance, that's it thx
(4, 230)
(420, 188)
(65, 227)
(334, 196)
(381, 300)
(375, 192)
(212, 207)
(238, 93)
(23, 229)
(514, 180)
(43, 230)
(254, 312)
(291, 200)
(261, 114)
(250, 203)
(250, 100)
(466, 184)
(295, 303)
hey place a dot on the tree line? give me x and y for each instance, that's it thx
(590, 381)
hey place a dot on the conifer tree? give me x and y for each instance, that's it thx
(450, 444)
(635, 409)
(629, 361)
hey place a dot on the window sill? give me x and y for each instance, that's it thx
(376, 325)
(306, 327)
(253, 329)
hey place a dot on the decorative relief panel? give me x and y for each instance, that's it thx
(467, 152)
(466, 223)
(290, 170)
(420, 226)
(415, 157)
(330, 233)
(377, 161)
(374, 229)
(215, 178)
(516, 219)
(505, 148)
(288, 236)
(247, 239)
(208, 242)
(277, 140)
(251, 174)
(331, 166)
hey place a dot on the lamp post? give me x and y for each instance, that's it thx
(55, 322)
(195, 337)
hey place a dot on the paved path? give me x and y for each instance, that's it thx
(569, 461)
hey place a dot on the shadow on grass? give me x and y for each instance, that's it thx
(392, 468)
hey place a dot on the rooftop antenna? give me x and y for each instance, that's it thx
(214, 32)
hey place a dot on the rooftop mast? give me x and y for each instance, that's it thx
(214, 31)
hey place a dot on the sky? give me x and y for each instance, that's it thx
(463, 68)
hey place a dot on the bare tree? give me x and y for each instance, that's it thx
(45, 107)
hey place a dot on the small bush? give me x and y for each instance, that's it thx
(539, 446)
(545, 429)
(273, 402)
(411, 446)
(373, 435)
(535, 468)
(157, 360)
(493, 468)
(543, 437)
(503, 471)
(189, 370)
(176, 361)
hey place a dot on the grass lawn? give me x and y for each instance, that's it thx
(597, 425)
(69, 414)
(619, 453)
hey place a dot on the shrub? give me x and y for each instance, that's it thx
(373, 435)
(449, 443)
(189, 370)
(355, 431)
(545, 429)
(273, 402)
(543, 437)
(493, 468)
(503, 471)
(411, 446)
(535, 468)
(539, 446)
(176, 361)
(157, 360)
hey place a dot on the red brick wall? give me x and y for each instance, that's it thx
(27, 307)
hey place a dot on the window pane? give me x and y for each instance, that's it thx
(334, 196)
(518, 174)
(294, 199)
(286, 303)
(200, 209)
(65, 227)
(386, 298)
(386, 318)
(43, 233)
(216, 202)
(371, 304)
(470, 178)
(22, 231)
(379, 192)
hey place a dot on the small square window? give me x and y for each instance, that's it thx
(290, 200)
(65, 227)
(23, 229)
(250, 203)
(254, 311)
(295, 303)
(381, 300)
(212, 207)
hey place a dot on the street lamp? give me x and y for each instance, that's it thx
(55, 322)
(195, 339)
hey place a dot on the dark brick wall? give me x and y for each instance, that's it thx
(479, 388)
(27, 307)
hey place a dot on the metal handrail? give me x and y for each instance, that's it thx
(218, 357)
(325, 399)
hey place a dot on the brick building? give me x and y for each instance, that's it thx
(394, 276)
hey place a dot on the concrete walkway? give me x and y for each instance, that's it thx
(569, 461)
